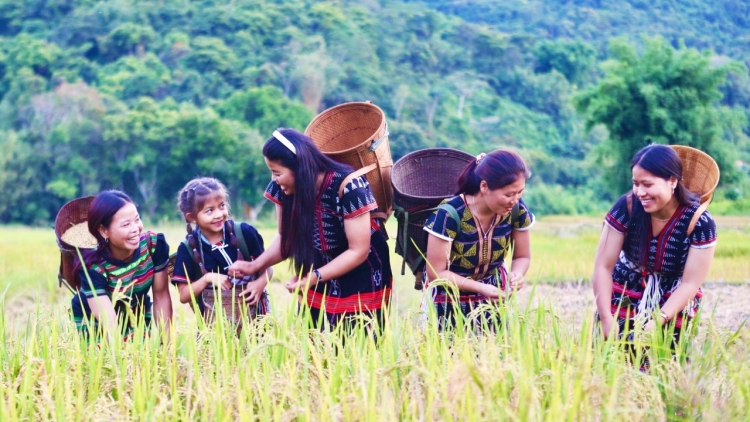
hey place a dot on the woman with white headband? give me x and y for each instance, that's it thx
(471, 233)
(338, 252)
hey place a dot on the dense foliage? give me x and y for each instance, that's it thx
(143, 95)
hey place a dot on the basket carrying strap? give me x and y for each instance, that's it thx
(361, 172)
(451, 210)
(61, 280)
(404, 245)
(693, 221)
(405, 231)
(380, 140)
(241, 239)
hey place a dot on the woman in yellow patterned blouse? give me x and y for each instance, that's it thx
(470, 254)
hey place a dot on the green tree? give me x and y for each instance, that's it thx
(663, 96)
(128, 39)
(265, 109)
(132, 77)
(574, 59)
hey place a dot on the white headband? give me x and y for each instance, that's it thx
(281, 138)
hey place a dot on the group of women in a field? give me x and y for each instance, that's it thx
(649, 264)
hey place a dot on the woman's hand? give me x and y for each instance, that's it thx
(490, 292)
(516, 282)
(292, 284)
(607, 253)
(304, 283)
(609, 328)
(241, 269)
(218, 280)
(253, 291)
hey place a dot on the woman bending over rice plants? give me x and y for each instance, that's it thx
(471, 233)
(126, 263)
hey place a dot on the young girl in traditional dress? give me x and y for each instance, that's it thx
(470, 253)
(648, 267)
(215, 243)
(126, 263)
(336, 249)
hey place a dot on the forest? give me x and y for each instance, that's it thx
(143, 95)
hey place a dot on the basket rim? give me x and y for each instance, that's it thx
(426, 151)
(317, 120)
(714, 168)
(61, 244)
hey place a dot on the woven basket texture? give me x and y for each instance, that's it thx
(72, 213)
(231, 304)
(346, 133)
(700, 173)
(421, 180)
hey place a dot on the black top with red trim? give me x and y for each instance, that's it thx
(331, 211)
(367, 287)
(665, 254)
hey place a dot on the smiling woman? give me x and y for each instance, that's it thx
(471, 233)
(126, 263)
(655, 250)
(337, 250)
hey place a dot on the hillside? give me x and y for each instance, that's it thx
(143, 95)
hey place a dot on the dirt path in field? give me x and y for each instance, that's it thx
(727, 304)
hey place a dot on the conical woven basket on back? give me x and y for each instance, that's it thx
(357, 134)
(421, 180)
(73, 213)
(700, 173)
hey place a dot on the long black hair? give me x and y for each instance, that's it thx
(499, 168)
(663, 162)
(298, 209)
(100, 213)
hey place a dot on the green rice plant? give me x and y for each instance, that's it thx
(533, 367)
(537, 365)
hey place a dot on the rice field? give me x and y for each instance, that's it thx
(544, 365)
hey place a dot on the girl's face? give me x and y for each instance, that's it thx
(124, 232)
(653, 191)
(211, 218)
(283, 176)
(502, 200)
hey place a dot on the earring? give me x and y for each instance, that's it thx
(673, 187)
(106, 240)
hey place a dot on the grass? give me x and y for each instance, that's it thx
(541, 367)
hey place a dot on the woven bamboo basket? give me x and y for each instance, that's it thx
(73, 213)
(700, 173)
(233, 306)
(357, 134)
(421, 181)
